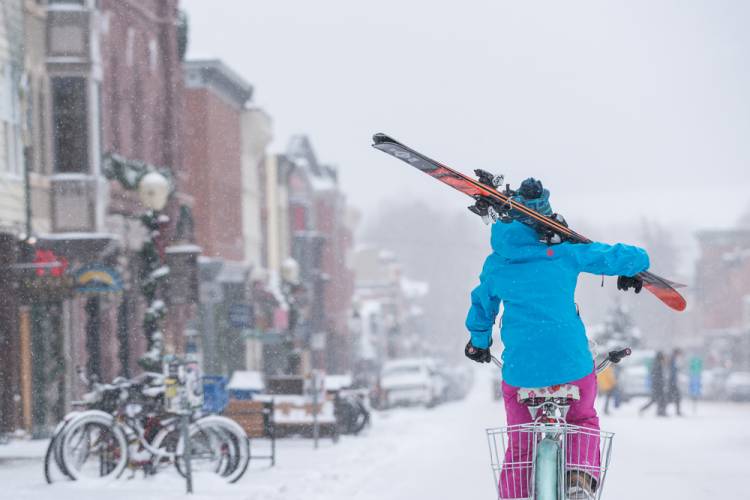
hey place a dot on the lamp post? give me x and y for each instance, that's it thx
(153, 186)
(153, 190)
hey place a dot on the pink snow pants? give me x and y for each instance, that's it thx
(581, 449)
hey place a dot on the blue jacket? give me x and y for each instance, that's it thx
(543, 337)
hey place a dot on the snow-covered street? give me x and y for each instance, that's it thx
(439, 454)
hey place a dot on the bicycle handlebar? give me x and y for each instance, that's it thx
(612, 357)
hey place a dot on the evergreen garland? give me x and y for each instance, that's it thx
(152, 271)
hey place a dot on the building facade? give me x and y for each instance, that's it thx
(722, 297)
(321, 240)
(12, 201)
(219, 172)
(100, 78)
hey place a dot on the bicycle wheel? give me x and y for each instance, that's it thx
(547, 469)
(52, 453)
(212, 449)
(93, 446)
(165, 441)
(217, 444)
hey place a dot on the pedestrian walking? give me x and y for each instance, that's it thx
(673, 387)
(608, 386)
(658, 394)
(696, 385)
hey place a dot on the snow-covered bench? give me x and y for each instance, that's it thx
(257, 419)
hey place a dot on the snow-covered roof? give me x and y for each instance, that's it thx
(217, 75)
(248, 380)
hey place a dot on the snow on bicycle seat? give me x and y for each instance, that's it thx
(559, 393)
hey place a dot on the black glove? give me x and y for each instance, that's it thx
(477, 354)
(625, 283)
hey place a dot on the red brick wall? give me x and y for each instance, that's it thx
(339, 289)
(722, 279)
(141, 113)
(213, 163)
(141, 91)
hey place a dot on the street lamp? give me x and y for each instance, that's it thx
(153, 189)
(153, 186)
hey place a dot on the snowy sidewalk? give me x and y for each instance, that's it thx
(415, 454)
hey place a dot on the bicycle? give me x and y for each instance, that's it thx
(134, 432)
(550, 470)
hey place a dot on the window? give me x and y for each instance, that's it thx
(68, 33)
(153, 54)
(70, 130)
(129, 47)
(42, 141)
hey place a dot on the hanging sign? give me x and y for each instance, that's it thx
(97, 278)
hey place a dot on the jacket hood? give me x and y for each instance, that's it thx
(515, 240)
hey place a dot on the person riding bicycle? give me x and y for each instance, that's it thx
(544, 339)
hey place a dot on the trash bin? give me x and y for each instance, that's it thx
(215, 395)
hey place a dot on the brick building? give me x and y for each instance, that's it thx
(215, 98)
(215, 103)
(321, 240)
(104, 77)
(722, 277)
(722, 296)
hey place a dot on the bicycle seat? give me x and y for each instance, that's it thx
(563, 394)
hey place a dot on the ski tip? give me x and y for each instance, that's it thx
(669, 296)
(380, 138)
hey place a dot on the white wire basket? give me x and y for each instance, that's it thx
(581, 475)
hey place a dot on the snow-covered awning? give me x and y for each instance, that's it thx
(338, 382)
(247, 380)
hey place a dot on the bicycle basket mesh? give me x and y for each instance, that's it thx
(514, 451)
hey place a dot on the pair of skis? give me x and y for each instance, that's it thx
(494, 203)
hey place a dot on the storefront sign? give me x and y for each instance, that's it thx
(97, 278)
(240, 316)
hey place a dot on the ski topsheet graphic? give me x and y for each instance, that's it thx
(491, 202)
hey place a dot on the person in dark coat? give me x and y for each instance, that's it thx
(658, 394)
(673, 386)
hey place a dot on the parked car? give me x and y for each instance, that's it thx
(713, 383)
(413, 381)
(738, 386)
(634, 378)
(458, 380)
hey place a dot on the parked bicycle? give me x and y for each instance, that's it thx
(549, 459)
(124, 425)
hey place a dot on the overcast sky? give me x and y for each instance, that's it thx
(621, 108)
